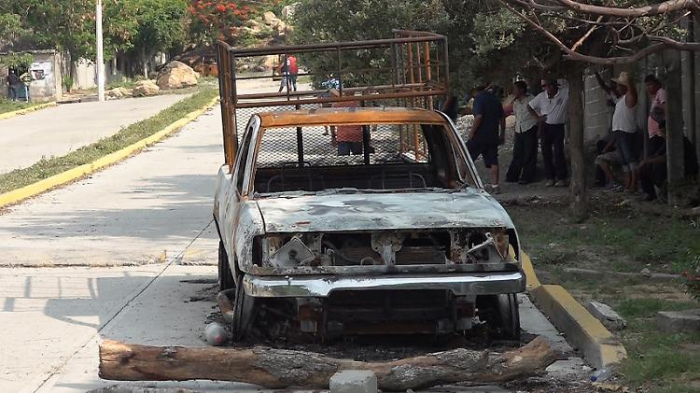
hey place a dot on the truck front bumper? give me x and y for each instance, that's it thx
(322, 286)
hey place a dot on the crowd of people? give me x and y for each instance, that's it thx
(17, 86)
(624, 144)
(542, 117)
(540, 121)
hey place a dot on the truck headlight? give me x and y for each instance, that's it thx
(277, 253)
(502, 243)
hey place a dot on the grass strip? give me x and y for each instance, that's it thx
(11, 106)
(47, 167)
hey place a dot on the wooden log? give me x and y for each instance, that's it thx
(279, 368)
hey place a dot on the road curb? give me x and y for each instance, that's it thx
(24, 111)
(582, 330)
(20, 194)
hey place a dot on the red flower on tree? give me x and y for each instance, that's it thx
(222, 17)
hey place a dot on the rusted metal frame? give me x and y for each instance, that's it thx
(365, 140)
(362, 89)
(416, 136)
(375, 97)
(415, 33)
(428, 70)
(445, 51)
(374, 69)
(339, 70)
(300, 143)
(349, 45)
(228, 113)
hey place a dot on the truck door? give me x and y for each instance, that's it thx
(238, 194)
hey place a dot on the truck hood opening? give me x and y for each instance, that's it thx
(468, 208)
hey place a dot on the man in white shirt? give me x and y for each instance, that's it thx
(550, 108)
(624, 126)
(522, 168)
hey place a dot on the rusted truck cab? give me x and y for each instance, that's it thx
(361, 220)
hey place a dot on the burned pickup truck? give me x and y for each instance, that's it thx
(390, 232)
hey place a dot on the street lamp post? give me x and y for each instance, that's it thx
(100, 53)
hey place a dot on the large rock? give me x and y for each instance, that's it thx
(289, 10)
(119, 92)
(176, 75)
(679, 321)
(145, 88)
(353, 381)
(605, 314)
(271, 19)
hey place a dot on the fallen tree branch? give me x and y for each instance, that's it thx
(278, 368)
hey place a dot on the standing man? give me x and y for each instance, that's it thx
(624, 126)
(550, 108)
(289, 70)
(657, 113)
(12, 84)
(484, 136)
(348, 138)
(524, 163)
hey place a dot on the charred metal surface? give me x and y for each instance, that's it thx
(468, 208)
(323, 286)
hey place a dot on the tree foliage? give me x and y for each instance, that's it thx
(611, 32)
(486, 43)
(219, 19)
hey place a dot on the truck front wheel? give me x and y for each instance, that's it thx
(243, 313)
(502, 315)
(225, 276)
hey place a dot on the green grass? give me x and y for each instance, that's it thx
(48, 167)
(10, 106)
(618, 238)
(648, 307)
(657, 361)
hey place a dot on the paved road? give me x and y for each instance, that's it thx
(59, 130)
(53, 318)
(142, 210)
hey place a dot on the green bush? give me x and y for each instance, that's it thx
(68, 82)
(692, 277)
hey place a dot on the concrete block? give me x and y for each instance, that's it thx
(353, 381)
(678, 321)
(606, 315)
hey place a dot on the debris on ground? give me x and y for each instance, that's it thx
(354, 381)
(273, 368)
(606, 315)
(687, 321)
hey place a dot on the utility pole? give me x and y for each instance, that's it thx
(100, 53)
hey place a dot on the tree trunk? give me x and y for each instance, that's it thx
(144, 62)
(278, 368)
(674, 124)
(577, 191)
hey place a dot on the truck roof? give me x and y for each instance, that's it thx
(349, 116)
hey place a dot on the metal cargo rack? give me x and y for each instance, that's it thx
(417, 76)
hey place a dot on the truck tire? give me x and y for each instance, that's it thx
(225, 276)
(243, 314)
(502, 315)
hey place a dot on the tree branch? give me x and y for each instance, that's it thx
(649, 10)
(588, 34)
(573, 55)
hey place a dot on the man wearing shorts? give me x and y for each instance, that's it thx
(624, 126)
(484, 136)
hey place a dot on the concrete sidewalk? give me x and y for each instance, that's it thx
(59, 130)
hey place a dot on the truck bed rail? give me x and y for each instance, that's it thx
(411, 70)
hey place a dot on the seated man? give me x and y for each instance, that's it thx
(608, 157)
(653, 172)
